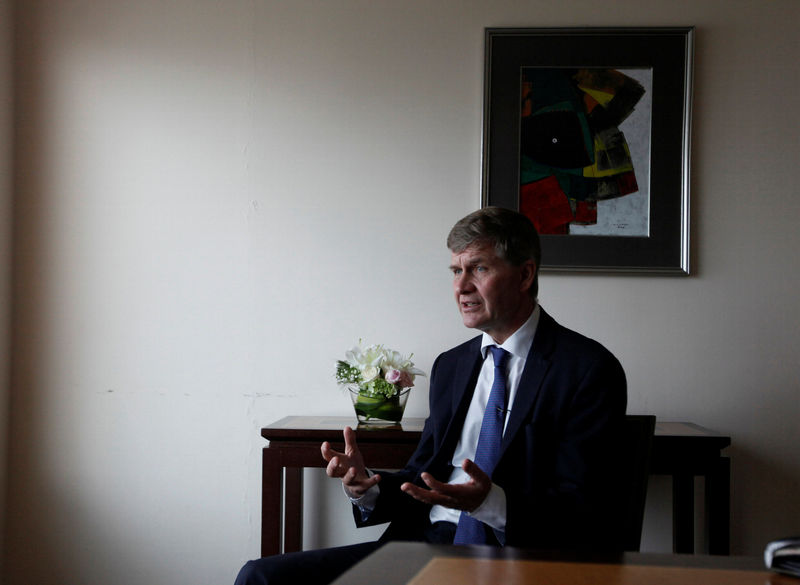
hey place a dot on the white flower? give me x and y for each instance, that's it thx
(369, 373)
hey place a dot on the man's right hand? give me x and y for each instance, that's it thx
(349, 466)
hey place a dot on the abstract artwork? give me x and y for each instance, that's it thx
(575, 154)
(586, 131)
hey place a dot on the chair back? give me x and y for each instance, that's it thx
(637, 445)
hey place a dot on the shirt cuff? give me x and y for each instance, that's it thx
(492, 510)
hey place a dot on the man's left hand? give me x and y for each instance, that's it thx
(462, 496)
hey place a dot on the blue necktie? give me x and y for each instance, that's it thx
(470, 530)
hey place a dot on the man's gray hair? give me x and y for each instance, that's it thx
(513, 235)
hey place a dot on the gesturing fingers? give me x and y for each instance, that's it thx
(435, 484)
(327, 451)
(350, 444)
(352, 478)
(349, 464)
(458, 496)
(462, 496)
(476, 473)
(334, 468)
(428, 496)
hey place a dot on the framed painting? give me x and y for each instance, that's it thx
(587, 132)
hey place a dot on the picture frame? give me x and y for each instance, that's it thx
(560, 104)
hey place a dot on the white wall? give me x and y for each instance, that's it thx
(216, 199)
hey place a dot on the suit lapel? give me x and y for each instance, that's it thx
(536, 366)
(465, 377)
(466, 373)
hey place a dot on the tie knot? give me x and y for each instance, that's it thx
(500, 356)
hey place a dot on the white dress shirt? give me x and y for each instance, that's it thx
(493, 509)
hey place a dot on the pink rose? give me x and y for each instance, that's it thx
(393, 376)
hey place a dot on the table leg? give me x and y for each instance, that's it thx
(683, 513)
(293, 510)
(271, 503)
(718, 507)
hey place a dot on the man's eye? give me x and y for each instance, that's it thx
(480, 268)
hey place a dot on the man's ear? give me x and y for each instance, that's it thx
(527, 275)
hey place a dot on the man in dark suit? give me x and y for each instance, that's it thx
(543, 476)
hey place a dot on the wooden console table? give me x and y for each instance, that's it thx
(681, 450)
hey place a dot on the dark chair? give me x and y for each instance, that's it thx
(638, 442)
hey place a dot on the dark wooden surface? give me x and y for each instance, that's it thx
(397, 563)
(681, 450)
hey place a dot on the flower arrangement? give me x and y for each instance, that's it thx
(376, 371)
(379, 381)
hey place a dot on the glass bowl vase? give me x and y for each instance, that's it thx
(377, 410)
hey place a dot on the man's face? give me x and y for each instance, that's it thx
(492, 295)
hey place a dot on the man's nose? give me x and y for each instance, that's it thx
(463, 283)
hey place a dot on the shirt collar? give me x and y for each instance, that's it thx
(520, 342)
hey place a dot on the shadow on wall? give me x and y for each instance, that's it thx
(38, 555)
(30, 523)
